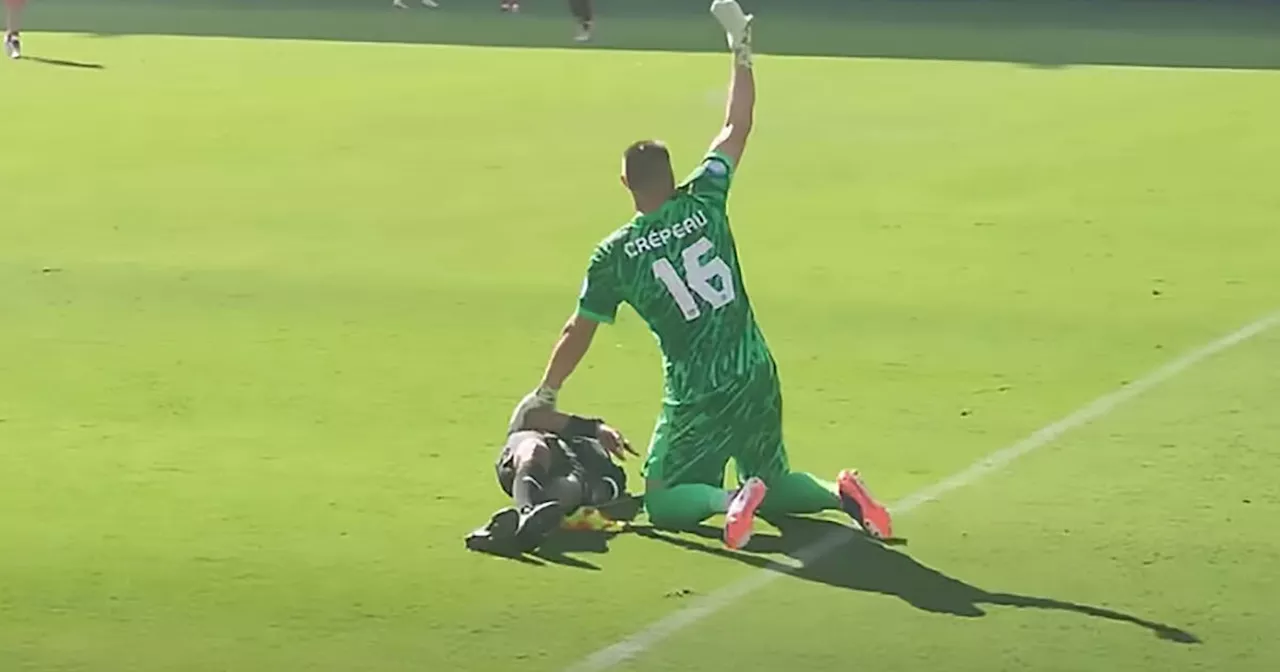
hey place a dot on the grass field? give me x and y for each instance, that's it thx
(273, 274)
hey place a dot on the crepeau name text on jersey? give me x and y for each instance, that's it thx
(659, 238)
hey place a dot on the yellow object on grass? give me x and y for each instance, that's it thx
(588, 519)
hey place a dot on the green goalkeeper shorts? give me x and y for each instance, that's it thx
(693, 442)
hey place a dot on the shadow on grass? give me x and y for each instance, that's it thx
(1168, 33)
(855, 562)
(557, 549)
(65, 64)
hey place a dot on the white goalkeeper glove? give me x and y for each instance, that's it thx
(543, 397)
(737, 28)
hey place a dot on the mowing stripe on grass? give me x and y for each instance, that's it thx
(659, 630)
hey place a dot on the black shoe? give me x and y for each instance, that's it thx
(537, 523)
(498, 535)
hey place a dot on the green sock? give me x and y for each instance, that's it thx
(684, 506)
(798, 492)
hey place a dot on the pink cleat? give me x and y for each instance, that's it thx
(857, 501)
(741, 517)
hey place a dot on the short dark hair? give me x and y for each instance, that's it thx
(647, 165)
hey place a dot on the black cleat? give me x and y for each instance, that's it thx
(536, 524)
(498, 535)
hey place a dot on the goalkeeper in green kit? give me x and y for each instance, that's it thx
(676, 264)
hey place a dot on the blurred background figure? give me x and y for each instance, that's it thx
(12, 26)
(583, 14)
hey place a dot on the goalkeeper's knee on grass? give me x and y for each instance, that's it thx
(682, 507)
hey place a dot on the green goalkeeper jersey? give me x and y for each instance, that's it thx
(678, 268)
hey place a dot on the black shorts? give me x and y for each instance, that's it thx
(581, 457)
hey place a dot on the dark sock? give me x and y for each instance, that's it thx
(527, 489)
(581, 11)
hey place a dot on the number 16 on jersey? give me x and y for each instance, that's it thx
(697, 279)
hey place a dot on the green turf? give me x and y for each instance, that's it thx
(265, 305)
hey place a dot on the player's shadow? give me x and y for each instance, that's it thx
(853, 561)
(556, 550)
(560, 547)
(63, 63)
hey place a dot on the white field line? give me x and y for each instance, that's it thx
(653, 634)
